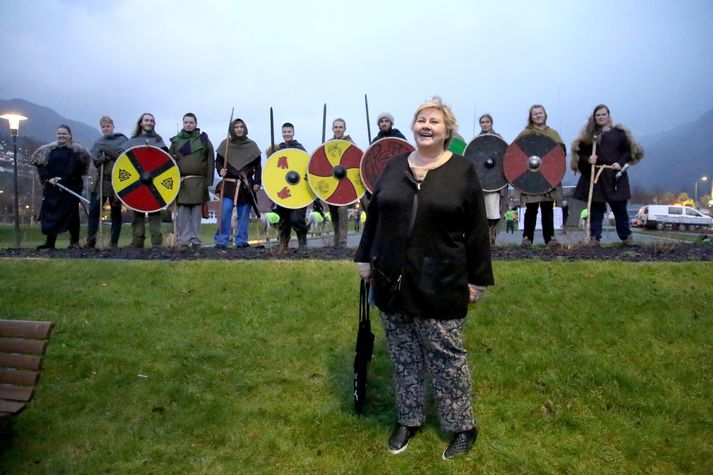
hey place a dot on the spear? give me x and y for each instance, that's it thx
(101, 205)
(225, 165)
(272, 133)
(324, 123)
(591, 191)
(368, 124)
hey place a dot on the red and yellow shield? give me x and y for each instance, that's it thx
(285, 178)
(146, 178)
(333, 173)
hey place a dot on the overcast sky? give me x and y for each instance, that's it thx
(649, 60)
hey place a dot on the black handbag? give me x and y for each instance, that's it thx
(364, 349)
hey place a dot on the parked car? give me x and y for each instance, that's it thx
(673, 216)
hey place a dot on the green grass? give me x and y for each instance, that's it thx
(245, 367)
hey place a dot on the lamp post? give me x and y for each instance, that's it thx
(14, 120)
(695, 200)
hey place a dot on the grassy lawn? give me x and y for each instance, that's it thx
(245, 367)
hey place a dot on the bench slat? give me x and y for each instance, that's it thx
(8, 360)
(16, 393)
(12, 407)
(21, 377)
(22, 345)
(26, 329)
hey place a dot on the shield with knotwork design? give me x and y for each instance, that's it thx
(378, 155)
(487, 152)
(145, 178)
(534, 164)
(285, 178)
(333, 173)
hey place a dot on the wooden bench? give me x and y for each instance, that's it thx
(22, 349)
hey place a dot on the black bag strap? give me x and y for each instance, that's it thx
(364, 301)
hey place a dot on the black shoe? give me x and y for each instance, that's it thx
(462, 443)
(45, 246)
(399, 439)
(73, 245)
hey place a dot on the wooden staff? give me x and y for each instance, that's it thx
(101, 206)
(368, 124)
(225, 165)
(588, 228)
(175, 224)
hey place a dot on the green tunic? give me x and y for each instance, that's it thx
(195, 158)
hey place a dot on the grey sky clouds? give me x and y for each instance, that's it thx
(649, 61)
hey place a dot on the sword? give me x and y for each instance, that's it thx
(252, 194)
(76, 195)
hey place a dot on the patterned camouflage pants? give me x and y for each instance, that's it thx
(434, 347)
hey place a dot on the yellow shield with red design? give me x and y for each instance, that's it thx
(285, 178)
(333, 173)
(146, 178)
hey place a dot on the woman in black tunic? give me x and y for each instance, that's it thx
(62, 162)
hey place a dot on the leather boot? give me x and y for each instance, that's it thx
(157, 240)
(302, 242)
(137, 242)
(284, 244)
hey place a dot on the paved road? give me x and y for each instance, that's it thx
(573, 236)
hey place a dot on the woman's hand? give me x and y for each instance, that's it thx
(223, 172)
(475, 293)
(616, 166)
(592, 159)
(256, 188)
(364, 269)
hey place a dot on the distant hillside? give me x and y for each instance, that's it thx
(42, 123)
(676, 158)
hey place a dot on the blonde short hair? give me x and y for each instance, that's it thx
(105, 119)
(449, 117)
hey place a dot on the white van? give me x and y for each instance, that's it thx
(674, 216)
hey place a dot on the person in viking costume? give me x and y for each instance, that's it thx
(537, 124)
(65, 163)
(339, 214)
(241, 179)
(145, 134)
(385, 121)
(494, 200)
(291, 218)
(615, 150)
(193, 153)
(104, 153)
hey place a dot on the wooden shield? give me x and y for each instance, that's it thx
(285, 178)
(333, 173)
(487, 152)
(145, 178)
(534, 164)
(378, 155)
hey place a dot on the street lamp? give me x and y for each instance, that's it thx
(703, 178)
(14, 120)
